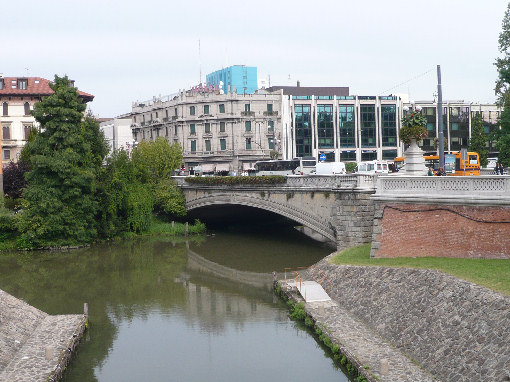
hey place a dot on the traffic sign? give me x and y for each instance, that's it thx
(322, 157)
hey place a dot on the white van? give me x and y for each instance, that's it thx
(330, 168)
(372, 167)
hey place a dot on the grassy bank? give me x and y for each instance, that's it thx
(490, 273)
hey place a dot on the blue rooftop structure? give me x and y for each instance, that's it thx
(239, 77)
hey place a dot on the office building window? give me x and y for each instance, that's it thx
(367, 125)
(207, 145)
(270, 126)
(175, 112)
(389, 125)
(247, 126)
(192, 129)
(207, 128)
(223, 144)
(206, 109)
(270, 143)
(248, 143)
(269, 107)
(7, 154)
(192, 110)
(325, 126)
(5, 109)
(175, 130)
(346, 126)
(222, 127)
(246, 107)
(303, 127)
(27, 108)
(222, 108)
(193, 146)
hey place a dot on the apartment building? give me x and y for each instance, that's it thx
(218, 131)
(18, 95)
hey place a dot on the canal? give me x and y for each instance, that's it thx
(164, 309)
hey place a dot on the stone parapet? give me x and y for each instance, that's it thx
(480, 190)
(360, 182)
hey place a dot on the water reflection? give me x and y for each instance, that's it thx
(164, 310)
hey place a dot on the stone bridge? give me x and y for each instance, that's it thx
(399, 215)
(338, 208)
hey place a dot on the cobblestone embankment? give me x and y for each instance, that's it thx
(458, 331)
(35, 346)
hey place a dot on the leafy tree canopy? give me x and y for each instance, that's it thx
(59, 203)
(478, 140)
(155, 162)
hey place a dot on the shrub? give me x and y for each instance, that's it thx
(235, 180)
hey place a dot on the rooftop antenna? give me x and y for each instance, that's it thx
(199, 61)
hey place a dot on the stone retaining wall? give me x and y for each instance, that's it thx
(458, 331)
(355, 218)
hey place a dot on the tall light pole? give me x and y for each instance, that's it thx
(440, 134)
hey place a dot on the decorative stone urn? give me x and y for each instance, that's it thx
(415, 162)
(413, 130)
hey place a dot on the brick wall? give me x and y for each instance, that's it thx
(440, 230)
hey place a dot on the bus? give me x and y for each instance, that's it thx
(454, 164)
(295, 166)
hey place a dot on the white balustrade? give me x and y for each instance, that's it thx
(467, 188)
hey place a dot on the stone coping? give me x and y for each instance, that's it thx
(35, 346)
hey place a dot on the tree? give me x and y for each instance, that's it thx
(478, 140)
(155, 162)
(126, 204)
(59, 203)
(14, 179)
(502, 90)
(503, 63)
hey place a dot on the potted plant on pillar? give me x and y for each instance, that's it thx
(412, 131)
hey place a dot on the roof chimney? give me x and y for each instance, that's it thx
(298, 84)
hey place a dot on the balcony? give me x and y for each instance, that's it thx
(270, 113)
(174, 117)
(248, 113)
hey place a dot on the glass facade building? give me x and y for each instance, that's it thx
(239, 79)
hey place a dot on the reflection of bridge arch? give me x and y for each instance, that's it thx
(311, 220)
(199, 263)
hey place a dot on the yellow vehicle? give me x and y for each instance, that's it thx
(453, 165)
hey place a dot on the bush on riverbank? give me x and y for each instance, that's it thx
(490, 273)
(178, 229)
(234, 180)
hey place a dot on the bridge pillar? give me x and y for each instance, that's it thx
(355, 218)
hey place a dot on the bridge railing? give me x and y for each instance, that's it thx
(315, 182)
(466, 188)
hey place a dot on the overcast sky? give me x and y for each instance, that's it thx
(124, 51)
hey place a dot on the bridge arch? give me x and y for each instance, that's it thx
(315, 222)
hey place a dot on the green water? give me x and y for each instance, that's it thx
(162, 310)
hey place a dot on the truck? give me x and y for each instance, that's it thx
(330, 168)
